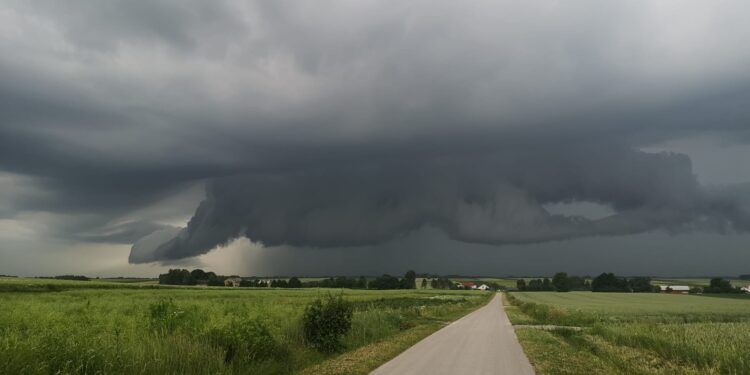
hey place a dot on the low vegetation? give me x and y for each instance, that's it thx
(60, 326)
(631, 333)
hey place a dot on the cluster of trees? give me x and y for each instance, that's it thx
(560, 282)
(442, 283)
(719, 285)
(194, 277)
(534, 285)
(608, 282)
(338, 282)
(409, 281)
(72, 277)
(198, 276)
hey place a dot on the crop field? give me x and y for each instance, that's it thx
(57, 326)
(633, 333)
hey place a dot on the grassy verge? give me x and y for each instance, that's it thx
(656, 338)
(369, 357)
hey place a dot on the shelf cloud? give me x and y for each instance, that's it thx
(354, 123)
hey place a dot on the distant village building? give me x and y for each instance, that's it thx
(746, 288)
(483, 287)
(675, 289)
(233, 282)
(467, 285)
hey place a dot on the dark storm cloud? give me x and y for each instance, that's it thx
(492, 198)
(348, 123)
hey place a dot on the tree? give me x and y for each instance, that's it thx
(578, 283)
(608, 282)
(362, 282)
(561, 282)
(534, 285)
(177, 277)
(409, 281)
(385, 282)
(719, 285)
(640, 284)
(424, 283)
(198, 274)
(295, 283)
(547, 284)
(521, 284)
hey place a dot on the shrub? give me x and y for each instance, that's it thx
(324, 324)
(246, 339)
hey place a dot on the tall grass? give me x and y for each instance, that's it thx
(710, 338)
(724, 347)
(191, 330)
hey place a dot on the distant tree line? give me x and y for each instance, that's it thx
(198, 276)
(442, 283)
(719, 285)
(194, 277)
(409, 281)
(606, 282)
(72, 277)
(609, 282)
(338, 282)
(560, 282)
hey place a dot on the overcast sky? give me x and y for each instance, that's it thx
(340, 137)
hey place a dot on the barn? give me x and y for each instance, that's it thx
(675, 289)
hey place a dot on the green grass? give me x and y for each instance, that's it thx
(54, 326)
(627, 333)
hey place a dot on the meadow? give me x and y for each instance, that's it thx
(59, 326)
(633, 333)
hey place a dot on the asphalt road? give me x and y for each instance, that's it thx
(480, 343)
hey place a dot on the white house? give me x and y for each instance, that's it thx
(677, 289)
(483, 287)
(746, 288)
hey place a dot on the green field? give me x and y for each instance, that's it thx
(634, 333)
(51, 326)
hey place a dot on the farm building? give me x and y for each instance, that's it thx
(746, 288)
(677, 289)
(466, 285)
(234, 282)
(483, 287)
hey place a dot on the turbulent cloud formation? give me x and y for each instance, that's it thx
(493, 198)
(353, 123)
